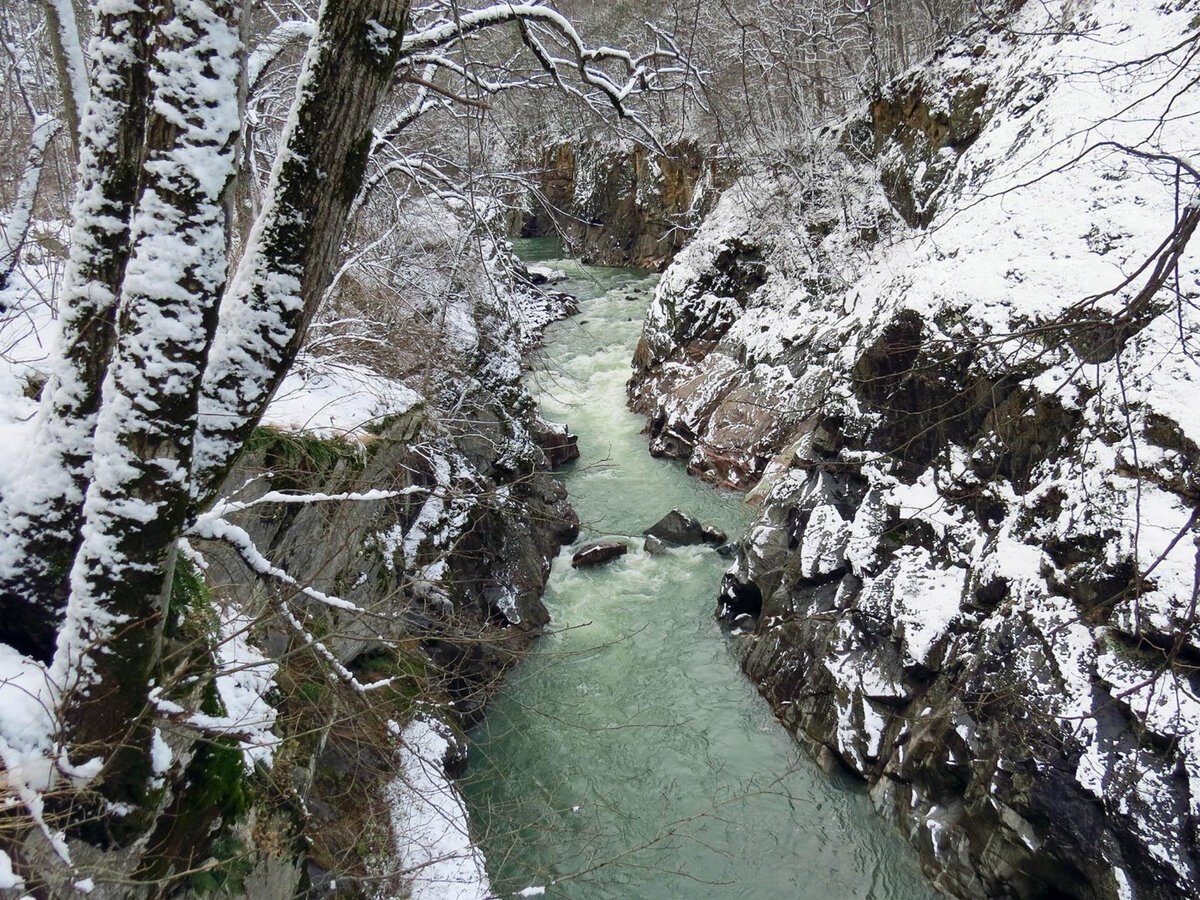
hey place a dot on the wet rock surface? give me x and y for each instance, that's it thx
(598, 552)
(678, 528)
(654, 545)
(559, 445)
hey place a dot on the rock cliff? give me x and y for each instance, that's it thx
(621, 206)
(938, 345)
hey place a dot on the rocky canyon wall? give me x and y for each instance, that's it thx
(621, 205)
(971, 579)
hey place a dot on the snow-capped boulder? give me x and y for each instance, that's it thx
(677, 527)
(598, 552)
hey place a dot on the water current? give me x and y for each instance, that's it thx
(627, 756)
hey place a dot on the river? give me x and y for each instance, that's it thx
(627, 756)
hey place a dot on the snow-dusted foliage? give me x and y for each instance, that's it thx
(951, 345)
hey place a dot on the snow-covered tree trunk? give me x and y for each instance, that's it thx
(41, 527)
(63, 33)
(139, 494)
(145, 449)
(289, 255)
(16, 225)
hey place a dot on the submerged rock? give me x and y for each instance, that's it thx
(598, 552)
(677, 527)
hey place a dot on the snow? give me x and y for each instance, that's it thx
(507, 604)
(73, 57)
(1124, 888)
(270, 46)
(1014, 243)
(547, 274)
(16, 226)
(925, 599)
(32, 759)
(342, 400)
(160, 757)
(9, 880)
(27, 698)
(429, 820)
(822, 549)
(245, 679)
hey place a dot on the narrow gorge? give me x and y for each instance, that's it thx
(650, 450)
(626, 756)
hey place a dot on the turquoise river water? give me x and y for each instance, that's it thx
(627, 756)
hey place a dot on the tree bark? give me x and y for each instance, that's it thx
(290, 253)
(16, 225)
(63, 34)
(139, 496)
(42, 524)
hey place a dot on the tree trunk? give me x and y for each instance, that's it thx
(42, 525)
(290, 253)
(16, 226)
(63, 33)
(139, 496)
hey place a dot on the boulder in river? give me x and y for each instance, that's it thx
(654, 545)
(678, 527)
(598, 552)
(542, 275)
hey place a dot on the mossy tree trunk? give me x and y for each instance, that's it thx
(139, 498)
(44, 523)
(297, 238)
(179, 327)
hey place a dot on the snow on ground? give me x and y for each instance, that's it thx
(326, 398)
(429, 821)
(27, 700)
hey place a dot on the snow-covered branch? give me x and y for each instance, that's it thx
(284, 35)
(69, 58)
(214, 528)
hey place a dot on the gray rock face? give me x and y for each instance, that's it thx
(678, 528)
(619, 205)
(654, 545)
(598, 552)
(950, 587)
